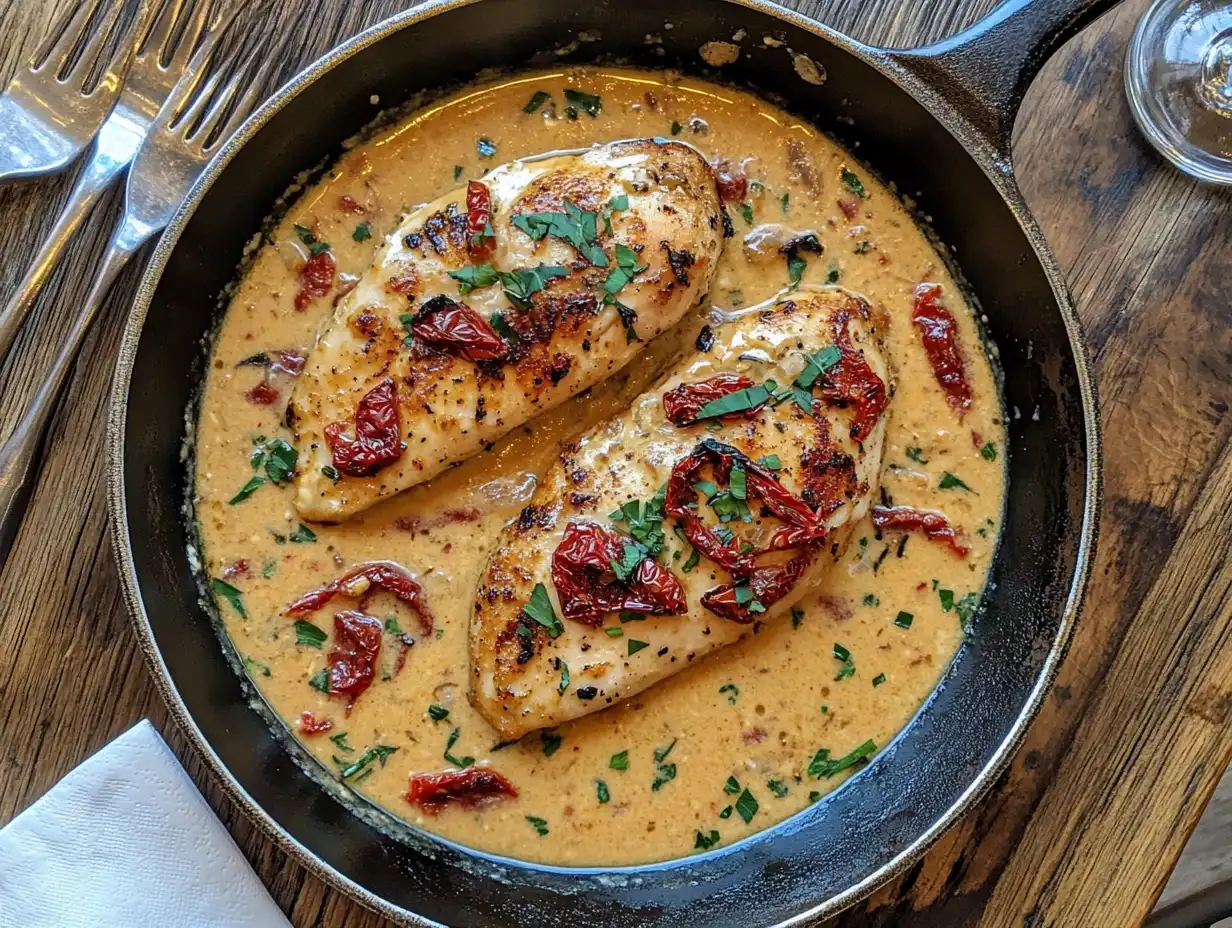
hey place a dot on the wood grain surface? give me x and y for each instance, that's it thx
(1084, 828)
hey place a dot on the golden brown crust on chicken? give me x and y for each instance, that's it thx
(599, 252)
(827, 460)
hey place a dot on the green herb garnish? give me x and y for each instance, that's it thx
(362, 232)
(602, 793)
(456, 761)
(485, 146)
(340, 740)
(540, 610)
(230, 594)
(989, 451)
(823, 766)
(320, 680)
(575, 226)
(308, 634)
(537, 100)
(746, 210)
(619, 761)
(950, 482)
(247, 490)
(746, 806)
(705, 842)
(539, 824)
(379, 752)
(635, 646)
(550, 741)
(849, 668)
(731, 690)
(438, 713)
(302, 535)
(588, 103)
(854, 184)
(917, 455)
(879, 679)
(778, 787)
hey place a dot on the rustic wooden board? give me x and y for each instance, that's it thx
(1086, 825)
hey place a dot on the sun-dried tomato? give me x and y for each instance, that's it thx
(804, 529)
(851, 383)
(939, 334)
(588, 587)
(378, 433)
(732, 187)
(479, 238)
(470, 788)
(309, 724)
(352, 662)
(454, 327)
(684, 402)
(263, 394)
(350, 204)
(364, 581)
(316, 276)
(933, 525)
(850, 206)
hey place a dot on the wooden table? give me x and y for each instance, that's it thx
(1086, 825)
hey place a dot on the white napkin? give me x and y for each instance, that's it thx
(126, 841)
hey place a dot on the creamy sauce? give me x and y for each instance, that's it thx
(757, 711)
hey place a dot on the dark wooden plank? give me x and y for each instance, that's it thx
(1084, 828)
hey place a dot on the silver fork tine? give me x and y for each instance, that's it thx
(59, 49)
(253, 95)
(156, 43)
(79, 73)
(201, 21)
(120, 60)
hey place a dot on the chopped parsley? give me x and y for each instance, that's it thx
(879, 679)
(746, 806)
(457, 171)
(268, 569)
(797, 616)
(302, 535)
(731, 690)
(539, 609)
(474, 276)
(379, 752)
(456, 761)
(520, 284)
(817, 364)
(250, 663)
(746, 210)
(614, 631)
(664, 772)
(676, 127)
(863, 248)
(796, 265)
(588, 103)
(823, 766)
(849, 668)
(832, 275)
(438, 713)
(917, 455)
(726, 813)
(308, 634)
(602, 793)
(341, 742)
(965, 608)
(745, 597)
(904, 619)
(305, 234)
(564, 677)
(748, 398)
(625, 270)
(539, 824)
(705, 842)
(247, 490)
(644, 521)
(362, 232)
(785, 202)
(947, 599)
(778, 787)
(771, 462)
(635, 646)
(331, 472)
(504, 329)
(854, 184)
(871, 599)
(537, 100)
(320, 680)
(950, 482)
(989, 451)
(732, 786)
(485, 146)
(230, 594)
(550, 741)
(619, 761)
(575, 226)
(617, 204)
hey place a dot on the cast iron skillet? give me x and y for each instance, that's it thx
(935, 121)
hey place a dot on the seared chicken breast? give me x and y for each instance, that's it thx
(495, 303)
(716, 501)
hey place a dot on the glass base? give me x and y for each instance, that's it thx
(1178, 78)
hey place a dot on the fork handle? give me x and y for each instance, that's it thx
(98, 174)
(19, 455)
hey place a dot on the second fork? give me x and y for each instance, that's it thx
(161, 57)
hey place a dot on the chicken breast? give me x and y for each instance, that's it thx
(718, 500)
(495, 303)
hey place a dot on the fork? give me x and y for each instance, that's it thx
(190, 127)
(51, 109)
(171, 37)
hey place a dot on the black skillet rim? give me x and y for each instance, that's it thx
(991, 162)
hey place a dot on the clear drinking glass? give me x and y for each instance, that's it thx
(1178, 77)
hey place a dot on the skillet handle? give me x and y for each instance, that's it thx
(984, 71)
